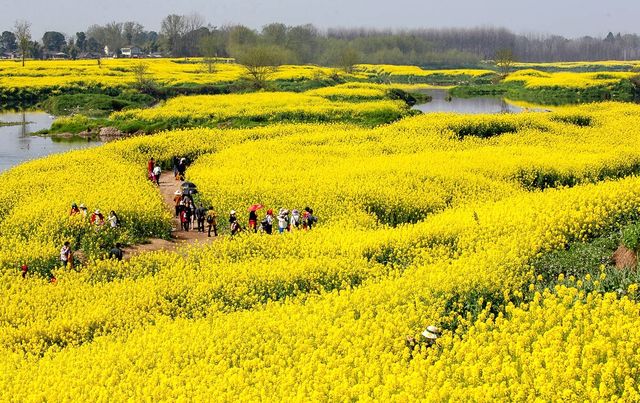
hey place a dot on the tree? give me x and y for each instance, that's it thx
(172, 29)
(504, 61)
(81, 41)
(35, 50)
(302, 40)
(261, 61)
(92, 45)
(274, 34)
(22, 31)
(133, 33)
(8, 42)
(144, 82)
(53, 41)
(208, 47)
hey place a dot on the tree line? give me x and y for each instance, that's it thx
(191, 36)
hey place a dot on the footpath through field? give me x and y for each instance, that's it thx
(168, 186)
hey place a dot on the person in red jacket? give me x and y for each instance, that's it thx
(97, 218)
(150, 165)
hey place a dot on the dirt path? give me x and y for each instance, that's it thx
(168, 186)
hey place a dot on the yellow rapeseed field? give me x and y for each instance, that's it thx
(431, 220)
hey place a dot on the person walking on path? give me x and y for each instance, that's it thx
(234, 224)
(66, 257)
(116, 252)
(176, 161)
(157, 171)
(182, 169)
(295, 221)
(253, 221)
(184, 220)
(201, 213)
(212, 220)
(283, 220)
(177, 199)
(150, 165)
(267, 223)
(308, 219)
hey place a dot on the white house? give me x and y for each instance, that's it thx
(131, 51)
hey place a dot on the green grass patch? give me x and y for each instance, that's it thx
(95, 105)
(623, 91)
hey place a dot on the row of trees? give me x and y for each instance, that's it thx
(190, 35)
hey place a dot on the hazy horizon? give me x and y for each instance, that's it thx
(571, 18)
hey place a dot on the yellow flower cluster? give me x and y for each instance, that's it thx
(565, 345)
(120, 72)
(535, 79)
(395, 70)
(421, 222)
(630, 65)
(352, 91)
(263, 107)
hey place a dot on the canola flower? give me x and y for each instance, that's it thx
(263, 107)
(120, 73)
(537, 79)
(430, 220)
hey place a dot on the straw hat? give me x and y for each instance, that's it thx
(233, 212)
(82, 205)
(97, 211)
(431, 332)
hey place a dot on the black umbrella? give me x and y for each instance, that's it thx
(190, 191)
(188, 185)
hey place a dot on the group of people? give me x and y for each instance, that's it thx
(286, 221)
(96, 218)
(192, 216)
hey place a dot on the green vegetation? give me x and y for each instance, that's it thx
(625, 91)
(95, 105)
(592, 261)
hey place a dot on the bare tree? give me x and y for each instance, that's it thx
(208, 47)
(504, 61)
(22, 31)
(261, 62)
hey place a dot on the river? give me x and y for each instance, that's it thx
(442, 102)
(18, 145)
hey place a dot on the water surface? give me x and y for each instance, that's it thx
(442, 102)
(18, 145)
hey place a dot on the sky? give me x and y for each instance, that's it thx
(570, 18)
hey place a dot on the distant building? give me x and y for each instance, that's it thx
(55, 55)
(131, 52)
(9, 55)
(89, 55)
